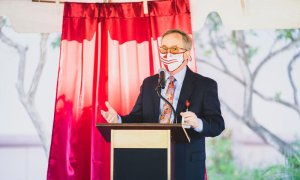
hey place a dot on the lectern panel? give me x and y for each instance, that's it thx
(140, 154)
(140, 164)
(141, 138)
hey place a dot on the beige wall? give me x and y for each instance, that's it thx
(27, 16)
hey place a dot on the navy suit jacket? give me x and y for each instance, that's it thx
(202, 93)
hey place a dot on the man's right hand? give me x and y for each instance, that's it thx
(111, 115)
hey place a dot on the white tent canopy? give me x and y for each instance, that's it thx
(28, 16)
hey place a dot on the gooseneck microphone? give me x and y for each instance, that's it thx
(161, 85)
(162, 78)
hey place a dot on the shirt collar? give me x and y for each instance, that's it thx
(179, 76)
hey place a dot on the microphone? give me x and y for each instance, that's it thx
(161, 85)
(162, 78)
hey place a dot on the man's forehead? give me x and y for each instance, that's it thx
(172, 39)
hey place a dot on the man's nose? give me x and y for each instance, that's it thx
(167, 55)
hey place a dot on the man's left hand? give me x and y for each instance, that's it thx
(190, 119)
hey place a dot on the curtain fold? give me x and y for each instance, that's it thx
(107, 49)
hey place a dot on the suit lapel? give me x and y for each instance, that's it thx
(156, 100)
(185, 93)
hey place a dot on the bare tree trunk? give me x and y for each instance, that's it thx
(248, 91)
(28, 99)
(268, 137)
(248, 83)
(284, 148)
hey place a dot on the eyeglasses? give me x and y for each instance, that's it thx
(174, 49)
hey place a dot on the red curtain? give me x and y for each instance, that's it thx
(107, 49)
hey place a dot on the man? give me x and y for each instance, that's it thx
(182, 85)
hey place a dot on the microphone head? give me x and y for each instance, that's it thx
(162, 70)
(162, 78)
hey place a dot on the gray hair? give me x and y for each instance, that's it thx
(185, 37)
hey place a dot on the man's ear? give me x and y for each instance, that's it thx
(186, 55)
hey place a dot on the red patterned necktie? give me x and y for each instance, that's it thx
(167, 110)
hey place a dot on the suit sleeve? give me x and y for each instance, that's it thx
(136, 114)
(213, 122)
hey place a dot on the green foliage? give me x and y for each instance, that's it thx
(251, 51)
(296, 145)
(290, 170)
(4, 21)
(233, 39)
(221, 162)
(278, 95)
(221, 166)
(214, 22)
(288, 34)
(251, 32)
(207, 53)
(56, 42)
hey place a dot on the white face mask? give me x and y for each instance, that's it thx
(171, 61)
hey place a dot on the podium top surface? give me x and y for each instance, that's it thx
(178, 133)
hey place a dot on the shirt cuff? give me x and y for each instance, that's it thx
(119, 119)
(200, 127)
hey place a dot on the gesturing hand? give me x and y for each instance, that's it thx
(190, 119)
(111, 115)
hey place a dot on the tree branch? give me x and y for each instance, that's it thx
(27, 100)
(248, 91)
(273, 45)
(268, 137)
(256, 92)
(291, 80)
(279, 101)
(230, 110)
(40, 67)
(22, 55)
(229, 73)
(245, 52)
(271, 55)
(214, 47)
(5, 39)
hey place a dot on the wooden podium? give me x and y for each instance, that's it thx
(142, 151)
